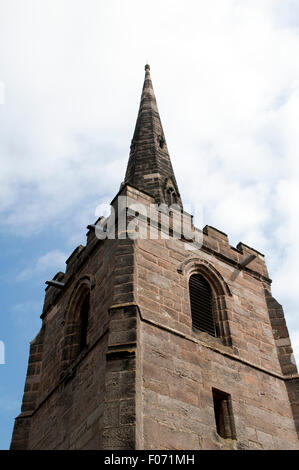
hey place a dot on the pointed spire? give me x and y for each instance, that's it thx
(149, 167)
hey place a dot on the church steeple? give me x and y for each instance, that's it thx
(149, 167)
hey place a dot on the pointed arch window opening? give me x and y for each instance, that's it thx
(76, 327)
(219, 294)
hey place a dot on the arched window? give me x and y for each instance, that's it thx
(76, 326)
(201, 304)
(84, 314)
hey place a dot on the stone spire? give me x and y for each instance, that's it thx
(149, 167)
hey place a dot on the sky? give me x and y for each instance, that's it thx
(226, 79)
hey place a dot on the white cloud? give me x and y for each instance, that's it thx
(52, 260)
(226, 77)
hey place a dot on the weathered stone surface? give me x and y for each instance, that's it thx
(144, 378)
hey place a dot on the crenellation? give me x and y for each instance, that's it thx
(132, 354)
(247, 249)
(74, 256)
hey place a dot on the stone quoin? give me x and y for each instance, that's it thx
(145, 344)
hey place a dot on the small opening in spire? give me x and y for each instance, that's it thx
(161, 141)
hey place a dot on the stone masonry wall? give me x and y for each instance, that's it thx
(178, 376)
(163, 296)
(71, 416)
(180, 366)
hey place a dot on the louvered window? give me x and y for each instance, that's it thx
(201, 304)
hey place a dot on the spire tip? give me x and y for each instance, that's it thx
(147, 67)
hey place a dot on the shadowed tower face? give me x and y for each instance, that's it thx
(149, 167)
(159, 343)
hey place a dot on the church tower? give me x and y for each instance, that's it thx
(159, 335)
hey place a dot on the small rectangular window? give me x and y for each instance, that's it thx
(224, 414)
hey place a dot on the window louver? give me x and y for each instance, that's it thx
(201, 304)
